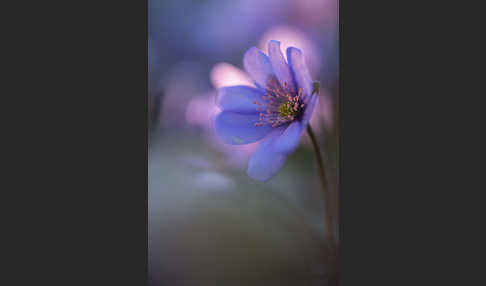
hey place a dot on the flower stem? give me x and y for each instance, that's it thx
(322, 175)
(327, 208)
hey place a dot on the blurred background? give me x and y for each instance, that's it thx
(209, 223)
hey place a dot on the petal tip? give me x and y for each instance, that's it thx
(273, 47)
(261, 177)
(250, 51)
(273, 42)
(266, 161)
(291, 50)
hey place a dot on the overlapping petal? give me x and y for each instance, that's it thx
(258, 66)
(310, 108)
(266, 161)
(279, 65)
(235, 128)
(288, 141)
(238, 98)
(300, 72)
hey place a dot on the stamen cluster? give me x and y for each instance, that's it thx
(280, 105)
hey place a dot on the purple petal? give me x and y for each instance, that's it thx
(258, 66)
(266, 161)
(234, 128)
(239, 99)
(309, 109)
(300, 72)
(290, 138)
(280, 67)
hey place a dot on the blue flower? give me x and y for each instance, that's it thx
(275, 112)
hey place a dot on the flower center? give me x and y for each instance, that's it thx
(280, 105)
(288, 108)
